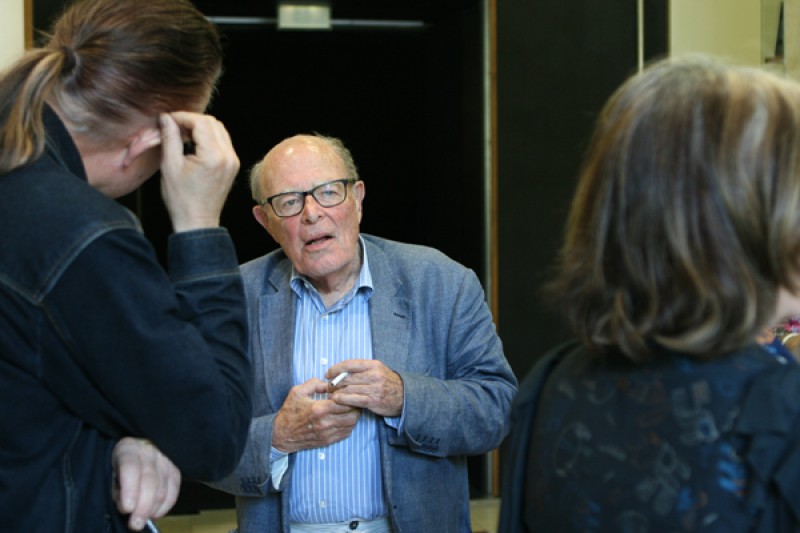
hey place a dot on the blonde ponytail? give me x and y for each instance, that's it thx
(108, 62)
(24, 89)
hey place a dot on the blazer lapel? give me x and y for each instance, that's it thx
(275, 330)
(390, 311)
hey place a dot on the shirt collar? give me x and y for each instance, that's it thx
(301, 283)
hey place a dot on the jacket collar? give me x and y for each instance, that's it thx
(60, 146)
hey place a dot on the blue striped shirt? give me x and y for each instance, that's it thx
(342, 481)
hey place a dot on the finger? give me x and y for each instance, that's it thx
(338, 380)
(346, 398)
(147, 497)
(212, 131)
(311, 387)
(171, 137)
(338, 408)
(173, 490)
(187, 120)
(353, 366)
(320, 386)
(171, 479)
(204, 130)
(127, 468)
(171, 141)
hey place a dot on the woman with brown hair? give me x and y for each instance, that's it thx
(98, 343)
(683, 243)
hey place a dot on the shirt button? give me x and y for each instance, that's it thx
(321, 456)
(325, 316)
(323, 361)
(323, 504)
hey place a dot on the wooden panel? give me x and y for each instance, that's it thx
(28, 24)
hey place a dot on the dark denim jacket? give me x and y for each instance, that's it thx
(98, 342)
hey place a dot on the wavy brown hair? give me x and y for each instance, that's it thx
(105, 63)
(686, 220)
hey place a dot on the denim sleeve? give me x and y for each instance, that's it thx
(140, 352)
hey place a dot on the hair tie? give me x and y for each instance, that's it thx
(70, 59)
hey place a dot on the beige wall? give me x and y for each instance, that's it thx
(791, 37)
(741, 31)
(12, 31)
(729, 29)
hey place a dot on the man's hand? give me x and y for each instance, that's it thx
(369, 385)
(147, 482)
(303, 423)
(195, 186)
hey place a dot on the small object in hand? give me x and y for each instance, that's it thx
(338, 379)
(150, 527)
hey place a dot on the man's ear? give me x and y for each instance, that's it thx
(260, 216)
(142, 141)
(359, 192)
(263, 219)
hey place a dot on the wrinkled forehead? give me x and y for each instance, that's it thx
(300, 163)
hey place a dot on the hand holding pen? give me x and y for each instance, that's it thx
(334, 383)
(367, 384)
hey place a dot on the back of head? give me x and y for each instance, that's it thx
(686, 220)
(107, 62)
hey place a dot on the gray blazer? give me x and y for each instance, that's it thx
(430, 324)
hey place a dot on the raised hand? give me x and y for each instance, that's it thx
(195, 185)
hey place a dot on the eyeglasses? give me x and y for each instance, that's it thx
(328, 194)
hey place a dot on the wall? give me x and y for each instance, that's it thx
(763, 33)
(558, 61)
(12, 31)
(730, 29)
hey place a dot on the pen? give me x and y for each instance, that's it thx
(150, 527)
(338, 379)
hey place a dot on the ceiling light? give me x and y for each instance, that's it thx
(304, 15)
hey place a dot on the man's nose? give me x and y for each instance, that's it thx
(311, 208)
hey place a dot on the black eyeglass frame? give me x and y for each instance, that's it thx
(310, 192)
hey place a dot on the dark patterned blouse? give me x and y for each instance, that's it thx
(675, 445)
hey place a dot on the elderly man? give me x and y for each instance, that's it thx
(426, 382)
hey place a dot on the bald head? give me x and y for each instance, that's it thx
(324, 151)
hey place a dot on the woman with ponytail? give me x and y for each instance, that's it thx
(116, 375)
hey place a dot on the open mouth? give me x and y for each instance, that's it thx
(318, 240)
